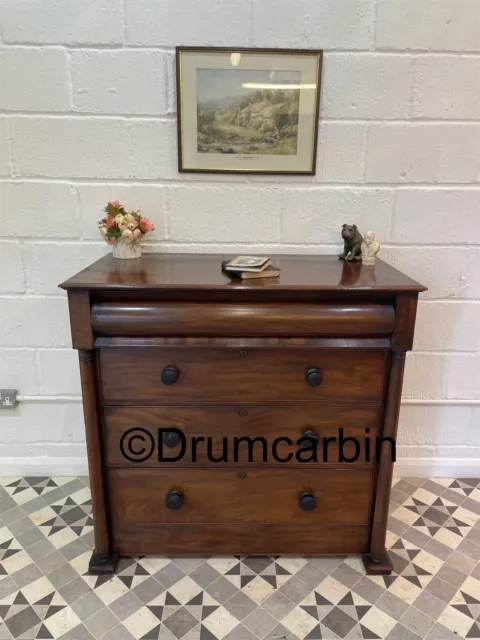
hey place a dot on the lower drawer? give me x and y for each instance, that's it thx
(248, 539)
(232, 496)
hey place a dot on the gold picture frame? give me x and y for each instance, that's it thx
(248, 110)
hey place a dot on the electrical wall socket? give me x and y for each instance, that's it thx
(8, 399)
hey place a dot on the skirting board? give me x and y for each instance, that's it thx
(404, 467)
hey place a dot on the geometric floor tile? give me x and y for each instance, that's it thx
(47, 593)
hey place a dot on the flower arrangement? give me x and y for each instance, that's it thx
(120, 228)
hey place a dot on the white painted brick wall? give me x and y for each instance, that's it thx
(87, 114)
(34, 79)
(4, 155)
(12, 279)
(446, 87)
(119, 81)
(367, 85)
(438, 25)
(427, 152)
(322, 24)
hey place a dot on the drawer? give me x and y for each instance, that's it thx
(228, 495)
(133, 437)
(236, 539)
(208, 375)
(241, 319)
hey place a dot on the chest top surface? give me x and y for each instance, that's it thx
(192, 272)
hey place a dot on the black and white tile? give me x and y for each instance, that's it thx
(46, 535)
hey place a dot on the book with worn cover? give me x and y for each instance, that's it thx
(247, 263)
(269, 272)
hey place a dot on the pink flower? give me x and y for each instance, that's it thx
(116, 204)
(146, 225)
(137, 234)
(110, 222)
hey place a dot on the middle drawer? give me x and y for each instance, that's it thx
(212, 375)
(132, 435)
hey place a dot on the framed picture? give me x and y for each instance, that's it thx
(248, 110)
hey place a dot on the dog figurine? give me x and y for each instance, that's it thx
(352, 243)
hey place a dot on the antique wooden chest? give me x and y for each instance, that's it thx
(243, 417)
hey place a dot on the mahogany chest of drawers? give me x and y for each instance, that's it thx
(253, 417)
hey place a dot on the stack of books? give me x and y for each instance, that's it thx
(249, 267)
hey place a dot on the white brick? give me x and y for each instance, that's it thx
(125, 81)
(68, 21)
(17, 370)
(77, 147)
(306, 210)
(463, 378)
(55, 422)
(34, 322)
(34, 79)
(48, 264)
(442, 25)
(472, 274)
(39, 209)
(58, 372)
(153, 149)
(474, 433)
(341, 152)
(366, 85)
(12, 279)
(445, 271)
(149, 199)
(436, 216)
(4, 161)
(423, 153)
(325, 24)
(192, 22)
(434, 425)
(447, 326)
(425, 376)
(447, 87)
(224, 214)
(454, 376)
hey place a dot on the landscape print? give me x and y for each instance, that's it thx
(234, 117)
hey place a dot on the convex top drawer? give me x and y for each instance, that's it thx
(212, 375)
(241, 319)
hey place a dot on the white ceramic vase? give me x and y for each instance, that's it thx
(126, 250)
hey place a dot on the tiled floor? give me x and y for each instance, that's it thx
(45, 591)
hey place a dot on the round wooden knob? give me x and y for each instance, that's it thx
(170, 375)
(174, 500)
(314, 377)
(171, 439)
(307, 502)
(309, 439)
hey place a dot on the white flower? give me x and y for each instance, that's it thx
(119, 218)
(128, 236)
(122, 225)
(132, 225)
(103, 231)
(130, 217)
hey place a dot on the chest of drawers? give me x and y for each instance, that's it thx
(254, 417)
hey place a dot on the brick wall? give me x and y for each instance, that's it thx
(87, 114)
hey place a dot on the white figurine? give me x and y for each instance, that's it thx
(370, 249)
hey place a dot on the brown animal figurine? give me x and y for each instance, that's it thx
(352, 243)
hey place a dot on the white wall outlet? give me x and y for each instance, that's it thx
(8, 398)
